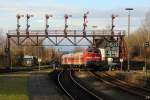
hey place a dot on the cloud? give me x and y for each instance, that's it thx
(101, 18)
(77, 12)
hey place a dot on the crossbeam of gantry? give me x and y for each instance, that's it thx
(71, 36)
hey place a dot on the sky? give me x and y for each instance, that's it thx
(99, 13)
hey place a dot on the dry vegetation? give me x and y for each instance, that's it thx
(137, 39)
(18, 52)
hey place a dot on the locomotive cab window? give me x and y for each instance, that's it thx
(96, 51)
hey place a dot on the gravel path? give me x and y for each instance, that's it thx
(41, 87)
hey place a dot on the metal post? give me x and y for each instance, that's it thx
(128, 9)
(27, 24)
(145, 66)
(121, 66)
(85, 23)
(56, 38)
(128, 41)
(18, 26)
(111, 57)
(37, 38)
(146, 45)
(94, 41)
(110, 66)
(145, 59)
(11, 63)
(9, 52)
(39, 66)
(66, 25)
(112, 24)
(75, 38)
(39, 61)
(110, 61)
(60, 56)
(121, 61)
(24, 51)
(46, 23)
(94, 44)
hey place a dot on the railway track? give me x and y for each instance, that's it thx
(128, 84)
(74, 89)
(140, 92)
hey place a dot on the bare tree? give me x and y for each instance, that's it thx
(137, 39)
(2, 42)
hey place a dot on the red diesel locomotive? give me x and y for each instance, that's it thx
(91, 57)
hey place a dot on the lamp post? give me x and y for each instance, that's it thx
(129, 10)
(59, 55)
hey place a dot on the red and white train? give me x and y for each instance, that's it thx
(90, 57)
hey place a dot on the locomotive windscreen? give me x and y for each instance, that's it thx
(94, 50)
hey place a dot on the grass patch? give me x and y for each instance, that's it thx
(13, 88)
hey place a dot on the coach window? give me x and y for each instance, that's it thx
(71, 58)
(76, 57)
(81, 57)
